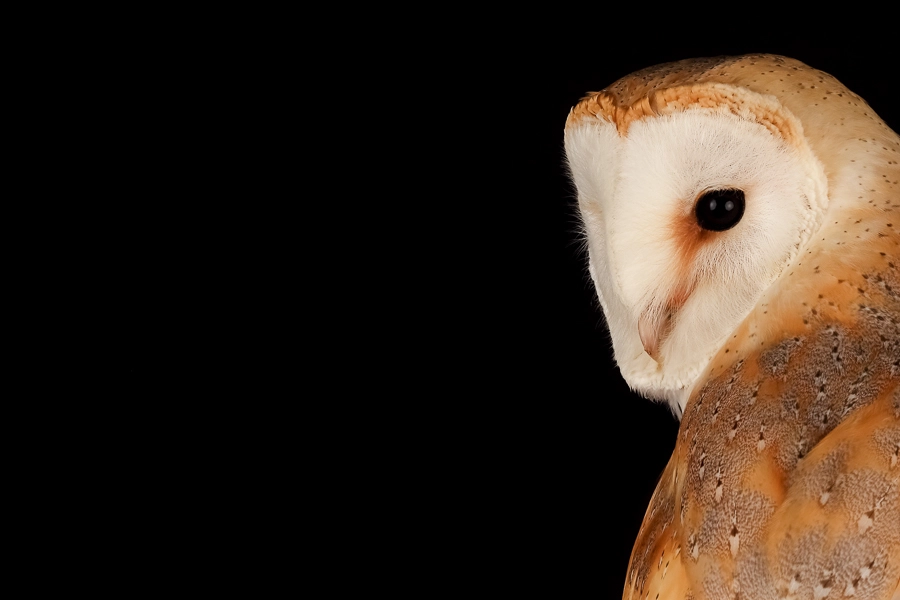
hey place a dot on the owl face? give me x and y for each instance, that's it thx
(689, 217)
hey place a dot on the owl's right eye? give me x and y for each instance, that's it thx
(718, 210)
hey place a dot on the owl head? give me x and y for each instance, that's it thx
(699, 185)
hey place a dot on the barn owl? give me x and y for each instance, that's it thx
(740, 217)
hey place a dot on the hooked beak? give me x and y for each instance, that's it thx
(655, 322)
(653, 327)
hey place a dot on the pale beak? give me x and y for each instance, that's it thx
(654, 325)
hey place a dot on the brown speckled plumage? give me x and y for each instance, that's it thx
(785, 480)
(785, 470)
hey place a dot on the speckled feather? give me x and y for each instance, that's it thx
(785, 479)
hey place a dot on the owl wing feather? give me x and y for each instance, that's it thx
(785, 479)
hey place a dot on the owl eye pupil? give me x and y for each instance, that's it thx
(718, 210)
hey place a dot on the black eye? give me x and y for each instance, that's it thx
(718, 210)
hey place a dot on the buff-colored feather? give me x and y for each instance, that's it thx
(778, 339)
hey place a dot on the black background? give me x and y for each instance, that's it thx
(565, 457)
(475, 415)
(335, 292)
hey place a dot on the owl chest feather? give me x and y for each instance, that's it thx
(785, 479)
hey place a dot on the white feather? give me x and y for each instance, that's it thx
(632, 189)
